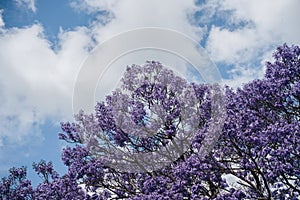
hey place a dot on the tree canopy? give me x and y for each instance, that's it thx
(151, 139)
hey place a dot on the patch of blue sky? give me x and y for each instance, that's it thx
(53, 15)
(225, 69)
(219, 20)
(207, 17)
(15, 16)
(49, 148)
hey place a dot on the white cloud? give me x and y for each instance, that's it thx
(1, 20)
(276, 20)
(130, 14)
(268, 25)
(232, 46)
(242, 75)
(36, 82)
(29, 4)
(91, 6)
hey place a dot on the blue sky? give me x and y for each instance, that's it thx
(44, 42)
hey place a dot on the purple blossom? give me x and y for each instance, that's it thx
(257, 155)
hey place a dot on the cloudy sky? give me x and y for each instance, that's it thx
(43, 44)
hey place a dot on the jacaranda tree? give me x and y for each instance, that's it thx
(153, 138)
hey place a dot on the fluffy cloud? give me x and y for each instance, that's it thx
(275, 21)
(1, 20)
(265, 25)
(230, 46)
(29, 4)
(270, 23)
(241, 34)
(36, 82)
(130, 14)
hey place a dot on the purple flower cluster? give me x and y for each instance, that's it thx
(156, 113)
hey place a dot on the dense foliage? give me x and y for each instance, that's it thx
(165, 119)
